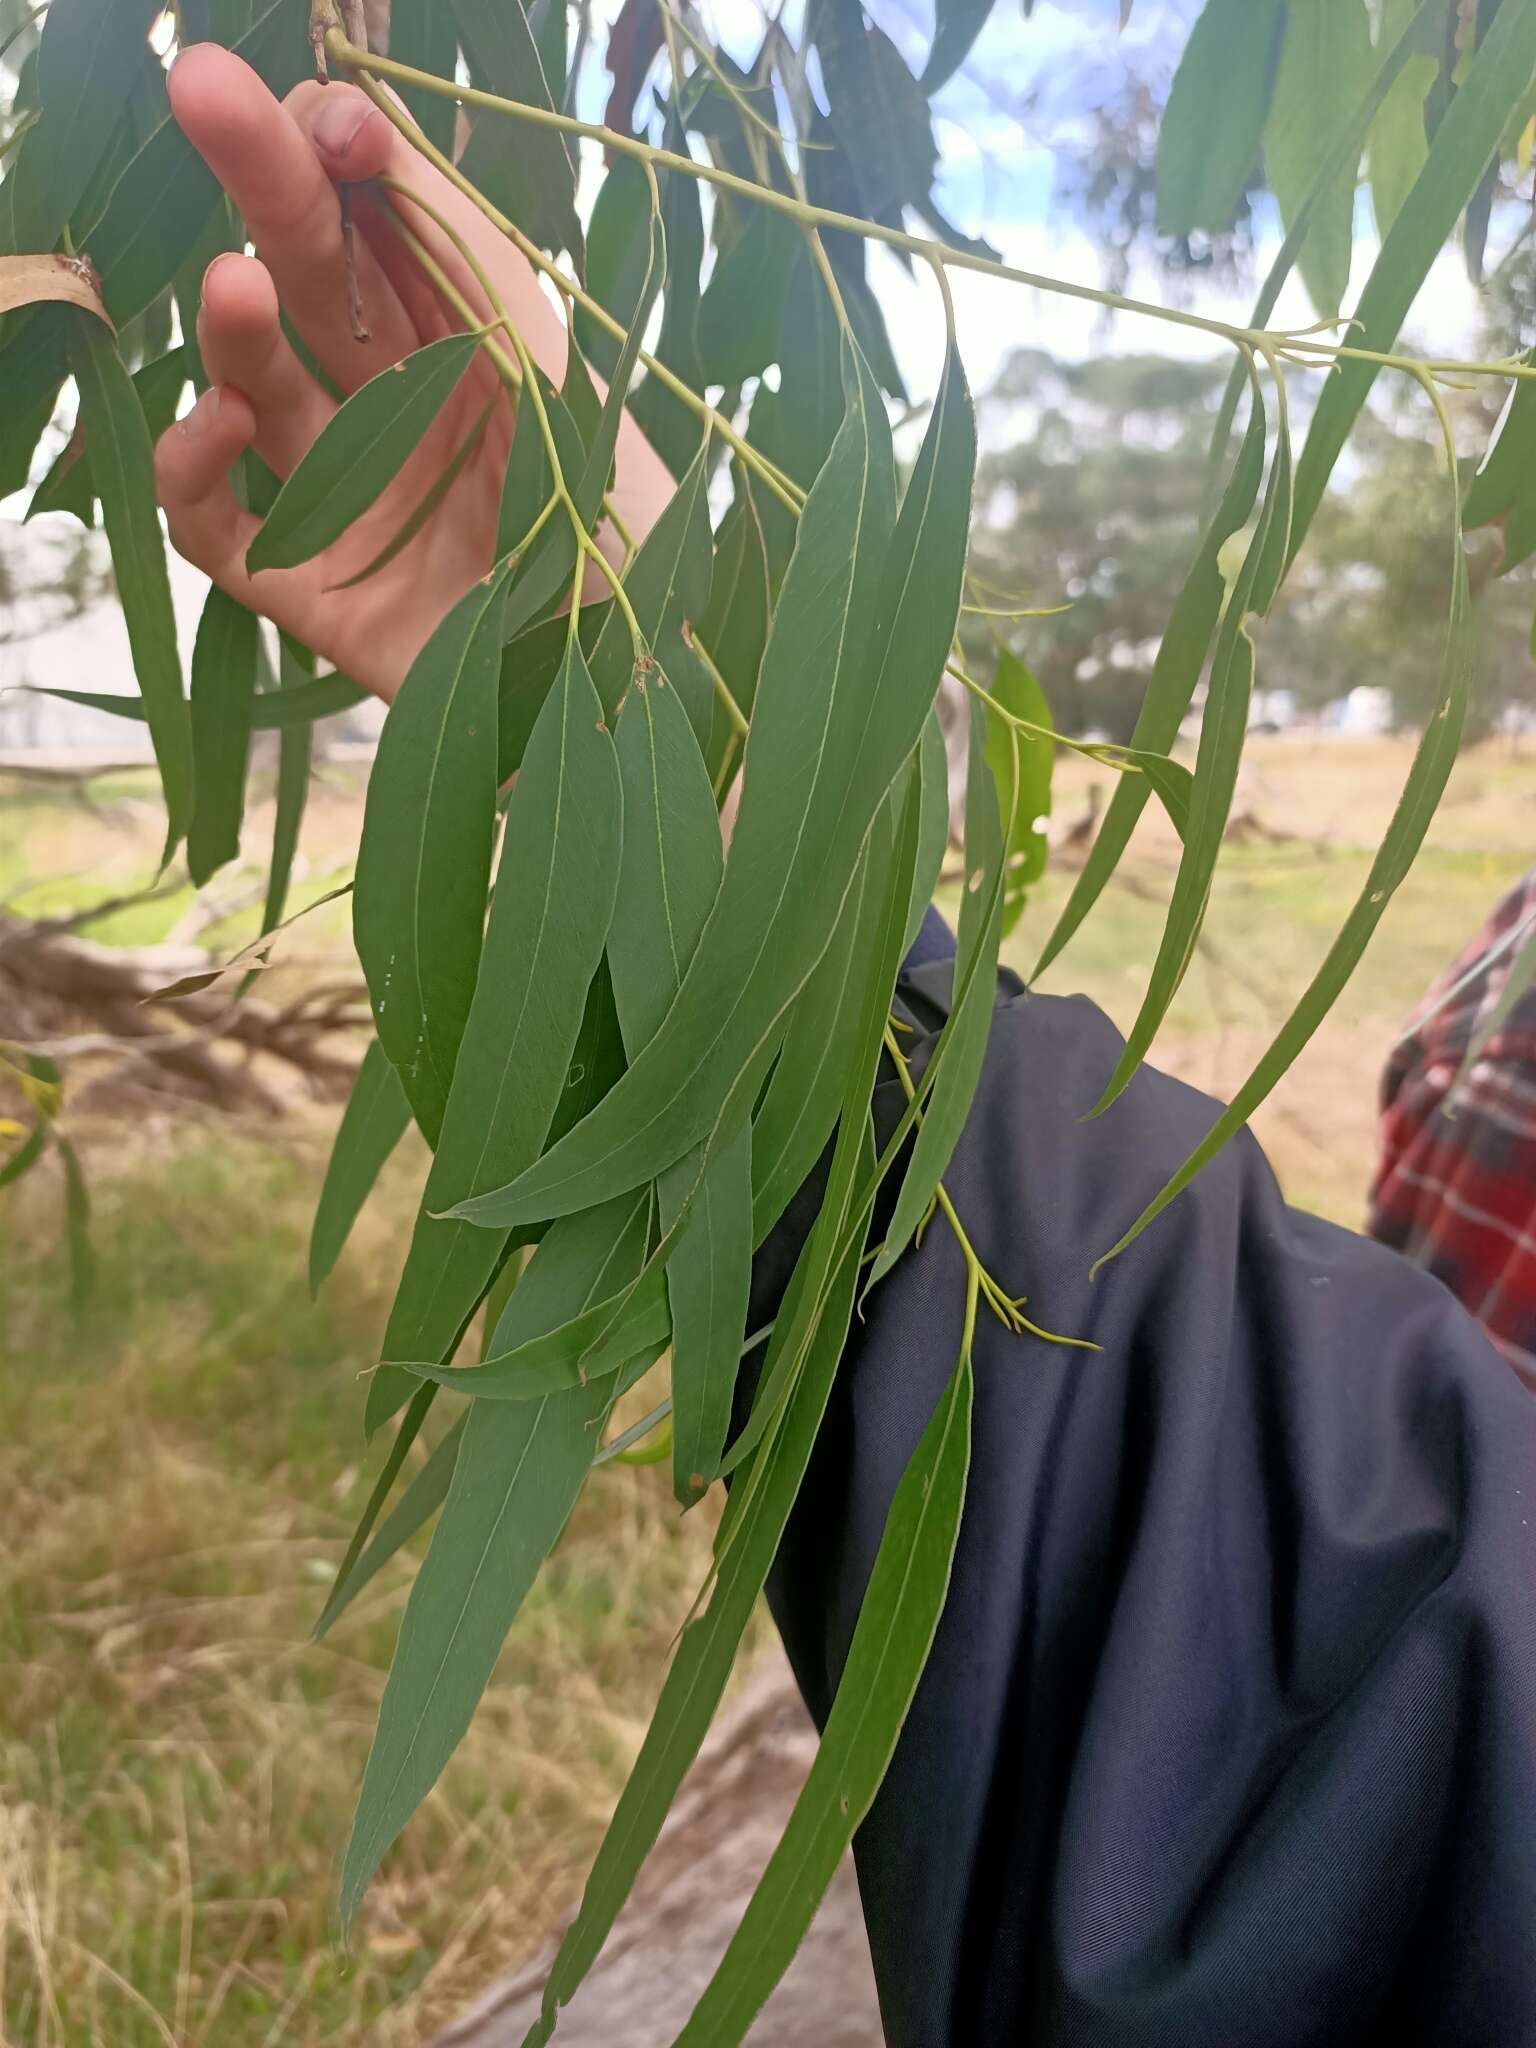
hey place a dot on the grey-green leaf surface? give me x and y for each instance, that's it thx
(1023, 769)
(669, 879)
(801, 1101)
(549, 921)
(69, 485)
(957, 1058)
(122, 459)
(223, 691)
(859, 642)
(701, 1667)
(87, 50)
(426, 504)
(358, 453)
(1177, 669)
(933, 822)
(1209, 140)
(1504, 487)
(898, 1618)
(519, 1468)
(1399, 146)
(587, 1305)
(1223, 728)
(956, 25)
(1495, 88)
(294, 747)
(528, 171)
(668, 586)
(1326, 66)
(372, 1124)
(317, 697)
(424, 862)
(423, 33)
(1427, 777)
(421, 1499)
(741, 311)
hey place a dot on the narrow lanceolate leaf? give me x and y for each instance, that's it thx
(956, 25)
(358, 453)
(933, 821)
(1495, 88)
(1505, 485)
(898, 1618)
(1022, 766)
(1222, 732)
(1399, 145)
(87, 51)
(223, 691)
(122, 459)
(519, 1468)
(859, 641)
(293, 752)
(734, 628)
(1209, 141)
(1180, 661)
(1431, 769)
(841, 1220)
(528, 171)
(372, 1125)
(318, 697)
(1408, 30)
(1326, 65)
(962, 1046)
(709, 1280)
(668, 883)
(418, 910)
(426, 504)
(421, 1499)
(586, 1306)
(554, 900)
(800, 1104)
(423, 33)
(68, 486)
(668, 585)
(701, 1668)
(409, 1429)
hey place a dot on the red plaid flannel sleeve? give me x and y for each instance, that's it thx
(1456, 1186)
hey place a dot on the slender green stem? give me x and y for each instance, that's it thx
(733, 710)
(937, 253)
(529, 382)
(783, 487)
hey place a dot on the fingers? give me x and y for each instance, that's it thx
(355, 141)
(269, 167)
(207, 524)
(243, 343)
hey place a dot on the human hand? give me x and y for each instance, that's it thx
(280, 165)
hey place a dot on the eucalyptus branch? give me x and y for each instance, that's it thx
(365, 66)
(784, 489)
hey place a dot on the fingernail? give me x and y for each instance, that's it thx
(338, 121)
(228, 256)
(201, 417)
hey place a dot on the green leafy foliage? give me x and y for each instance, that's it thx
(224, 660)
(122, 459)
(1022, 766)
(1325, 68)
(359, 453)
(1210, 134)
(418, 908)
(375, 1120)
(529, 172)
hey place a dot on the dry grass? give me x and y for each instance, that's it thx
(179, 1472)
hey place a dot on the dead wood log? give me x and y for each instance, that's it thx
(687, 1901)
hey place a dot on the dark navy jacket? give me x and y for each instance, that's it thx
(1228, 1739)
